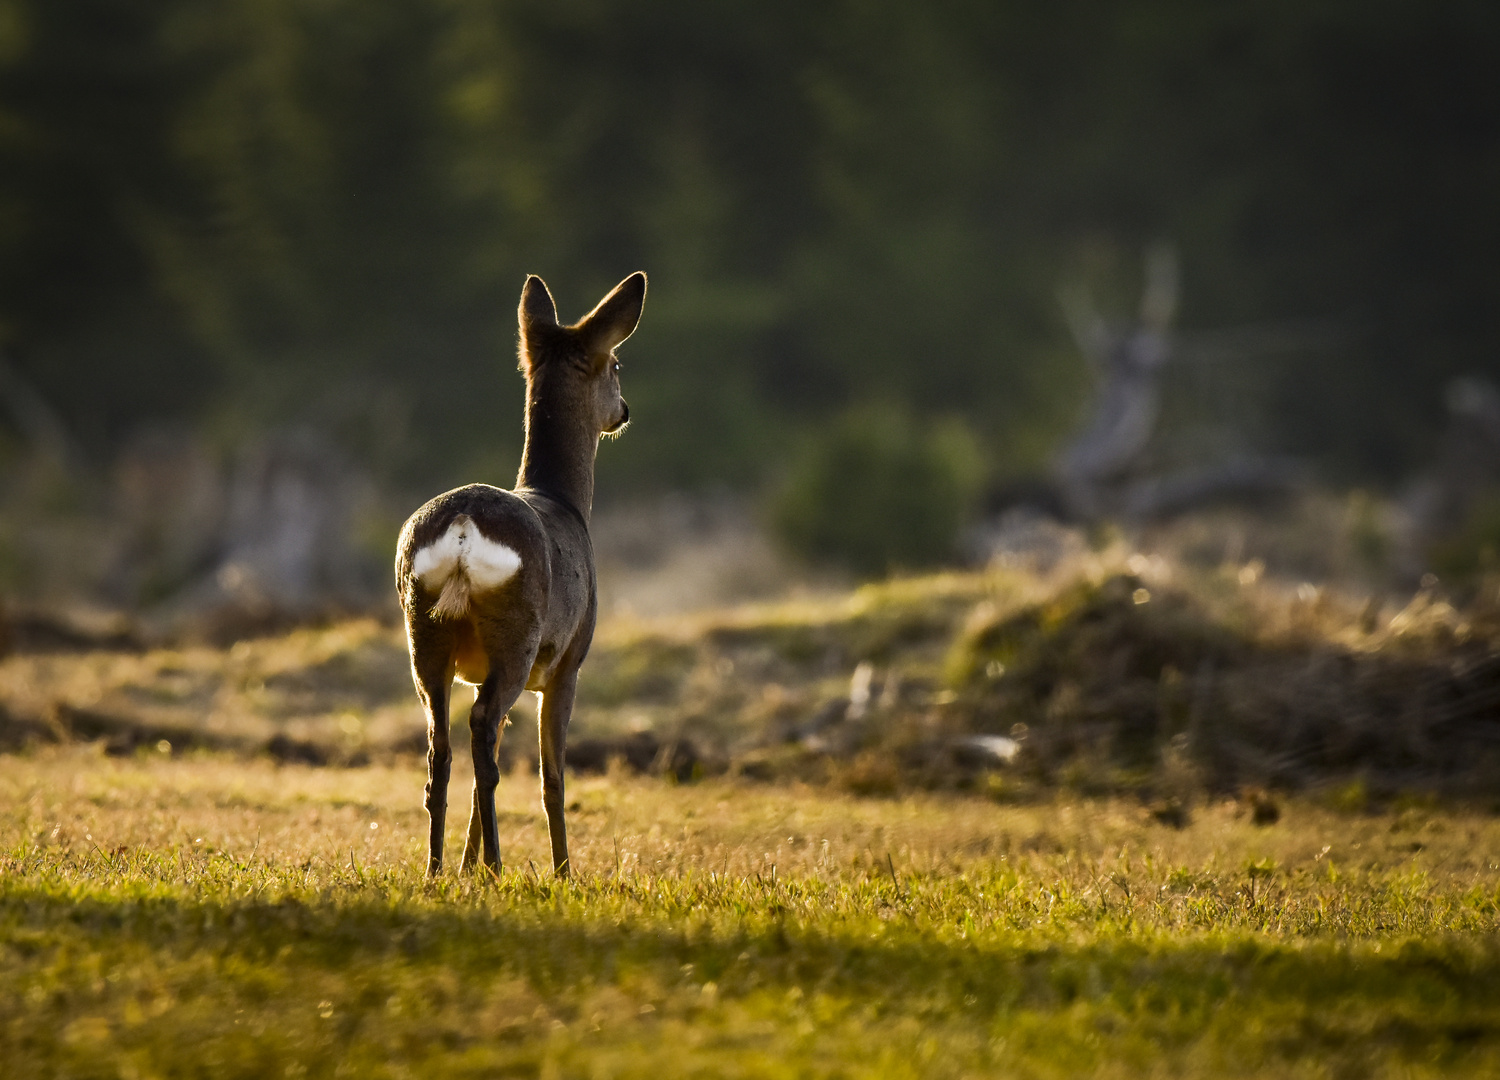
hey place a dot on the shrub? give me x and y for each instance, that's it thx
(879, 490)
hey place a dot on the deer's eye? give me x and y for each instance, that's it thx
(617, 366)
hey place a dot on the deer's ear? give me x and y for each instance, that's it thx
(537, 308)
(616, 317)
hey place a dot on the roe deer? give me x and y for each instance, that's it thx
(498, 586)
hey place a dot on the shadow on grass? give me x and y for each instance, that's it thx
(1431, 998)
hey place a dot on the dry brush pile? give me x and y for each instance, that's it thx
(1112, 672)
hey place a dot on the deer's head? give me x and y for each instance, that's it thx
(573, 370)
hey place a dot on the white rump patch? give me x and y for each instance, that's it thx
(489, 564)
(464, 550)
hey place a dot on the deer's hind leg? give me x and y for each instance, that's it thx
(509, 669)
(432, 672)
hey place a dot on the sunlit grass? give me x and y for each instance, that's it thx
(201, 915)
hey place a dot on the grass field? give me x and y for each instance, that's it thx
(209, 915)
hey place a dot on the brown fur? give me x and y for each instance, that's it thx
(534, 631)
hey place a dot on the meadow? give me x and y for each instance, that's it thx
(1249, 830)
(202, 915)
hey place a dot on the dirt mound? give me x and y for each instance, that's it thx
(1122, 676)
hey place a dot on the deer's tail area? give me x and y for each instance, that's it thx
(454, 601)
(461, 563)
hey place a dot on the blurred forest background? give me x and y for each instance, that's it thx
(240, 235)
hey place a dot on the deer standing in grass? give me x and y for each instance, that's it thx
(498, 586)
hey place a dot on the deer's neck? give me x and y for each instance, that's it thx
(558, 459)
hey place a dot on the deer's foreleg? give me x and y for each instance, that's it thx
(473, 840)
(556, 711)
(496, 695)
